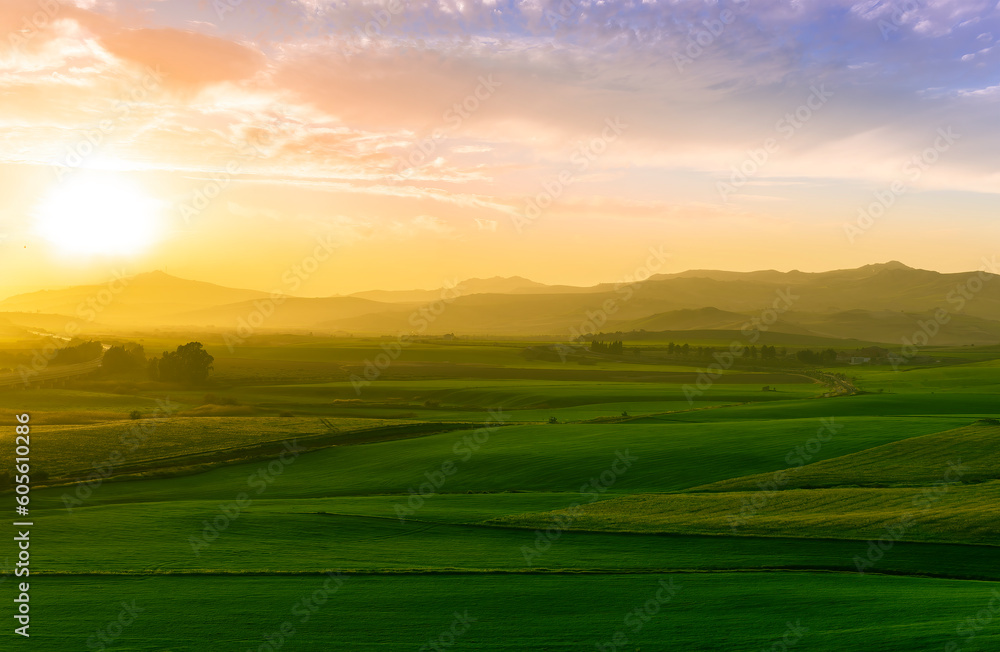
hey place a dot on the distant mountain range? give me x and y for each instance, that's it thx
(875, 303)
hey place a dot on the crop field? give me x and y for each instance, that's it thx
(965, 405)
(558, 613)
(969, 455)
(556, 504)
(78, 448)
(662, 457)
(962, 513)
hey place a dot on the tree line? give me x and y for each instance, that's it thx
(189, 364)
(764, 353)
(615, 348)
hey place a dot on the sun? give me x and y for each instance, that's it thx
(92, 214)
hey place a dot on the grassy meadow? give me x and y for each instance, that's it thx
(547, 500)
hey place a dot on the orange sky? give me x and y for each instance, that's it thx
(491, 138)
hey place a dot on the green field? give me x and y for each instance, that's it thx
(545, 612)
(956, 513)
(434, 491)
(668, 457)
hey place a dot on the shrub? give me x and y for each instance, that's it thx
(135, 415)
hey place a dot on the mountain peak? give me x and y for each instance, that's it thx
(497, 284)
(892, 264)
(155, 275)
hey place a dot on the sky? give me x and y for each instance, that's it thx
(403, 144)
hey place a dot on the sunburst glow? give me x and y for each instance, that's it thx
(93, 214)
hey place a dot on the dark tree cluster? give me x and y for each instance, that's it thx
(124, 359)
(809, 356)
(84, 352)
(616, 347)
(768, 353)
(189, 364)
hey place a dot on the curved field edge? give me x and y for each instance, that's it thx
(960, 456)
(946, 514)
(523, 458)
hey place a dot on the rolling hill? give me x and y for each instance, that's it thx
(141, 299)
(875, 303)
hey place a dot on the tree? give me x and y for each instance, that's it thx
(807, 356)
(190, 363)
(75, 354)
(124, 359)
